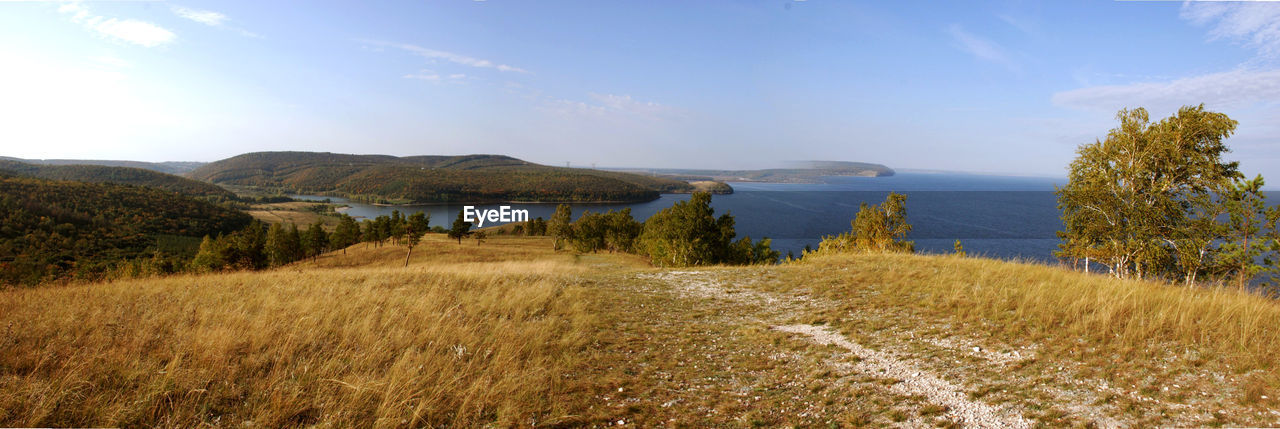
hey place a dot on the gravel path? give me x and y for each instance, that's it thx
(914, 381)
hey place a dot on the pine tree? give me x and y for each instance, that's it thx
(417, 225)
(316, 241)
(345, 234)
(460, 229)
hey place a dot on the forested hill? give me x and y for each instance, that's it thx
(58, 229)
(170, 167)
(425, 179)
(120, 175)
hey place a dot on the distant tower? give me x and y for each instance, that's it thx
(566, 164)
(593, 166)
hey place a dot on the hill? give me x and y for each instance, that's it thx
(63, 229)
(429, 179)
(509, 333)
(803, 172)
(169, 167)
(120, 175)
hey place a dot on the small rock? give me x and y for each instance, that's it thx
(977, 349)
(619, 389)
(621, 422)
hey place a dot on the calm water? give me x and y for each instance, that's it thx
(996, 216)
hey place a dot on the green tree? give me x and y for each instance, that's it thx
(560, 227)
(1245, 252)
(276, 247)
(417, 225)
(621, 230)
(345, 234)
(315, 241)
(688, 234)
(396, 227)
(1131, 199)
(876, 228)
(210, 256)
(588, 232)
(461, 228)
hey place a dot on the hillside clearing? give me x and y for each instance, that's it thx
(510, 333)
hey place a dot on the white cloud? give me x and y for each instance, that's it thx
(1237, 88)
(206, 17)
(610, 106)
(449, 56)
(1254, 24)
(128, 30)
(210, 18)
(627, 104)
(980, 47)
(432, 76)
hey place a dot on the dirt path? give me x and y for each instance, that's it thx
(719, 348)
(915, 381)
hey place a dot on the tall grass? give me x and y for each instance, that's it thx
(1121, 322)
(432, 345)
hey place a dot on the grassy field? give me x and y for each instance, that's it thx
(509, 333)
(301, 213)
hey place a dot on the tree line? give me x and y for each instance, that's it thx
(686, 234)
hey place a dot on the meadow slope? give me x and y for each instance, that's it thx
(508, 333)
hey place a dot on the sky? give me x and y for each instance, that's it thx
(1010, 87)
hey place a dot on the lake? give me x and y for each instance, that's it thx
(995, 216)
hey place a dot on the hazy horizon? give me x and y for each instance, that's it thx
(1007, 87)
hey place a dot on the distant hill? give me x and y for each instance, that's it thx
(430, 179)
(53, 229)
(171, 167)
(120, 175)
(802, 172)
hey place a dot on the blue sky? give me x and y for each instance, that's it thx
(1004, 87)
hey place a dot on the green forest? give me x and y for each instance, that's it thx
(53, 230)
(431, 179)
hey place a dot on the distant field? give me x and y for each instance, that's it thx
(296, 212)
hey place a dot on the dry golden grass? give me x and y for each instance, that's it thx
(1121, 330)
(438, 249)
(431, 345)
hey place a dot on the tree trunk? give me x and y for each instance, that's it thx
(406, 256)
